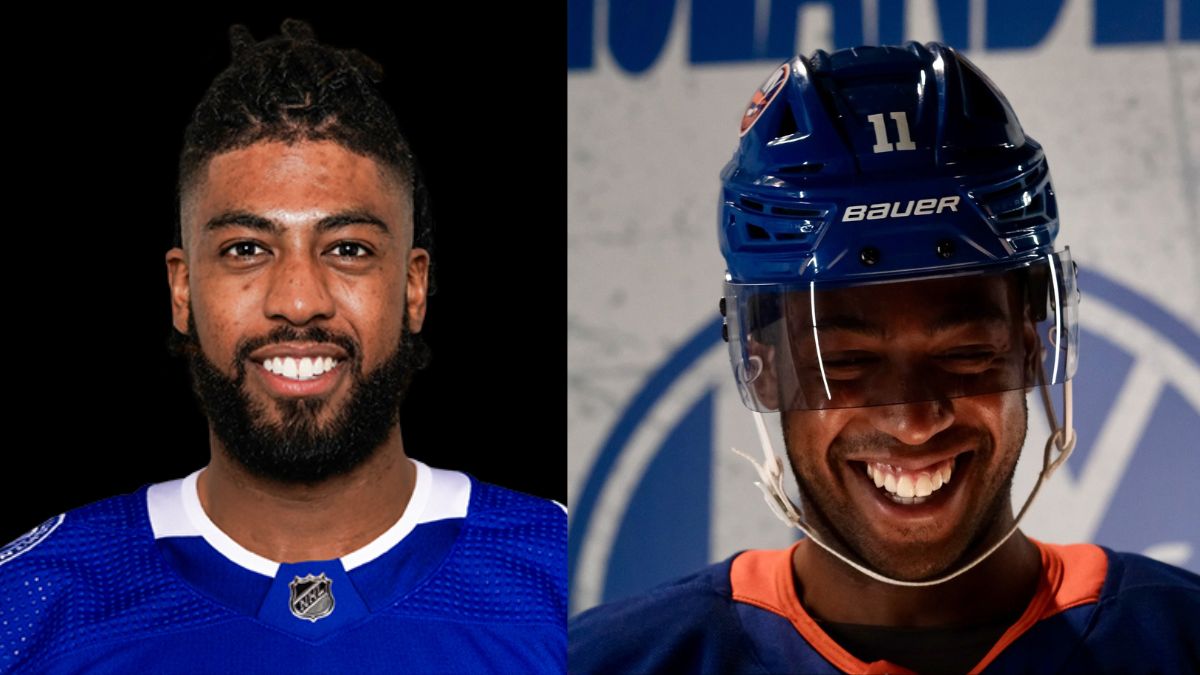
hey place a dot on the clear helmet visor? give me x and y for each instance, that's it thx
(815, 346)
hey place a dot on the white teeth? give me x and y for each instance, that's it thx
(305, 368)
(924, 486)
(906, 487)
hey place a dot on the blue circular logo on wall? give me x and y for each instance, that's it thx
(665, 496)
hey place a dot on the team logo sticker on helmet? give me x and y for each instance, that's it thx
(763, 96)
(312, 597)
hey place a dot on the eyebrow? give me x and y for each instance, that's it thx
(969, 313)
(851, 324)
(326, 224)
(961, 315)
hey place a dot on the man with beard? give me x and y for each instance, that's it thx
(310, 542)
(893, 290)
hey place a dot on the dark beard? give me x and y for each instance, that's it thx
(301, 450)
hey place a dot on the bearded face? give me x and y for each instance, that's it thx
(310, 441)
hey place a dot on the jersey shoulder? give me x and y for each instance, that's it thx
(83, 539)
(513, 523)
(684, 626)
(1145, 618)
(84, 577)
(1133, 573)
(508, 563)
(1152, 606)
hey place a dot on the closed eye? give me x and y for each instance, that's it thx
(847, 366)
(968, 360)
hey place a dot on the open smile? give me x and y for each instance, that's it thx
(298, 368)
(307, 376)
(911, 489)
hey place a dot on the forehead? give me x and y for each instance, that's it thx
(925, 305)
(294, 181)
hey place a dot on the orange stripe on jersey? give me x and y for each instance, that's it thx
(764, 579)
(1071, 575)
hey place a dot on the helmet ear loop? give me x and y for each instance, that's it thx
(1063, 437)
(770, 474)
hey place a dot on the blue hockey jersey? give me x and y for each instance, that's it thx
(472, 578)
(1094, 611)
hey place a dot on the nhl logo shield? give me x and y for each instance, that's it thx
(312, 597)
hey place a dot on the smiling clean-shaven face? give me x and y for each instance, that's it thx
(910, 488)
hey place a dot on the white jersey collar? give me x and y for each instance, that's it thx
(175, 511)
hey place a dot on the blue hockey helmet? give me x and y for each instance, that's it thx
(882, 193)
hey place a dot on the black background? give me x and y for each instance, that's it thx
(96, 108)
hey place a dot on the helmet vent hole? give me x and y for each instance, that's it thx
(1036, 205)
(802, 169)
(787, 122)
(752, 205)
(756, 232)
(799, 213)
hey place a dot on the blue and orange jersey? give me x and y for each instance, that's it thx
(1094, 611)
(472, 578)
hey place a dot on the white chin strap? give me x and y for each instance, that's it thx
(771, 474)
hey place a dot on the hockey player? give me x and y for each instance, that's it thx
(310, 543)
(893, 290)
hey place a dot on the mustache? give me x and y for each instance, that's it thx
(281, 334)
(953, 437)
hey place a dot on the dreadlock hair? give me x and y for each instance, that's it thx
(290, 88)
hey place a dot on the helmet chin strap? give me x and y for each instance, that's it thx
(770, 471)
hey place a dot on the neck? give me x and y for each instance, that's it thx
(296, 522)
(1000, 586)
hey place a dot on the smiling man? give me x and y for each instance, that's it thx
(310, 542)
(893, 290)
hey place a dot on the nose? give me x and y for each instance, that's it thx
(913, 423)
(298, 291)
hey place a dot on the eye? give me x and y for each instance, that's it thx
(846, 366)
(968, 359)
(244, 250)
(350, 249)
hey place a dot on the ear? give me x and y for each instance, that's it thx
(766, 383)
(417, 287)
(177, 280)
(1035, 351)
